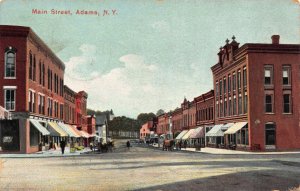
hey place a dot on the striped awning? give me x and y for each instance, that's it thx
(69, 130)
(198, 133)
(85, 134)
(187, 135)
(39, 127)
(56, 130)
(181, 134)
(234, 128)
(216, 131)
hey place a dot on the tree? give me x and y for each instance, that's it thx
(160, 112)
(144, 117)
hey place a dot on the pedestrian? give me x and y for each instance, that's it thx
(62, 146)
(91, 146)
(128, 145)
(180, 144)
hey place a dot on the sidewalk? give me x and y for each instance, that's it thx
(209, 150)
(49, 153)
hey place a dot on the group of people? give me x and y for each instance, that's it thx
(179, 144)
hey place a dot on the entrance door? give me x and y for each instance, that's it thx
(270, 135)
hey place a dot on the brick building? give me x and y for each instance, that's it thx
(81, 111)
(69, 106)
(163, 124)
(145, 130)
(32, 79)
(188, 114)
(177, 121)
(256, 95)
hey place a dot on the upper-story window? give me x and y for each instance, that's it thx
(269, 103)
(287, 103)
(10, 63)
(229, 83)
(34, 69)
(245, 77)
(234, 81)
(10, 99)
(268, 75)
(239, 79)
(30, 65)
(220, 87)
(224, 85)
(286, 75)
(217, 88)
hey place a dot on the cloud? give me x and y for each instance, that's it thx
(161, 26)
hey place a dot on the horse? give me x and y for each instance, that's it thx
(168, 145)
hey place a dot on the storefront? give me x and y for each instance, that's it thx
(56, 134)
(198, 137)
(237, 136)
(214, 137)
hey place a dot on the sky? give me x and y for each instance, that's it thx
(150, 54)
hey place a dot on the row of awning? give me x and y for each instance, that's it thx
(216, 131)
(59, 129)
(191, 134)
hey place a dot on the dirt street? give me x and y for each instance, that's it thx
(144, 168)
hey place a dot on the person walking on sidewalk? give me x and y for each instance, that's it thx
(62, 146)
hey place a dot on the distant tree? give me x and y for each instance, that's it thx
(144, 117)
(124, 123)
(93, 112)
(160, 112)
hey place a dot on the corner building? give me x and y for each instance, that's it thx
(257, 94)
(31, 89)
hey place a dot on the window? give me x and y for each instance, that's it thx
(234, 105)
(224, 85)
(268, 75)
(43, 74)
(31, 101)
(49, 83)
(10, 63)
(268, 103)
(245, 77)
(225, 108)
(287, 108)
(229, 83)
(245, 102)
(30, 66)
(270, 132)
(234, 81)
(229, 107)
(34, 69)
(217, 88)
(10, 99)
(286, 75)
(220, 87)
(221, 109)
(239, 79)
(41, 104)
(240, 104)
(217, 109)
(49, 107)
(40, 72)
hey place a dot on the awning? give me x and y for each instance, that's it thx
(216, 131)
(39, 127)
(4, 114)
(234, 128)
(55, 130)
(181, 134)
(75, 130)
(84, 134)
(198, 133)
(187, 135)
(68, 130)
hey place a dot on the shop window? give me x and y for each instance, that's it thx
(9, 135)
(268, 75)
(286, 75)
(34, 136)
(287, 108)
(10, 99)
(10, 63)
(268, 103)
(270, 134)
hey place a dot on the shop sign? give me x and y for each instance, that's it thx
(7, 139)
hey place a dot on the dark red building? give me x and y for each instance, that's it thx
(257, 90)
(69, 106)
(32, 79)
(177, 121)
(163, 124)
(188, 114)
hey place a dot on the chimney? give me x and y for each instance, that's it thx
(275, 39)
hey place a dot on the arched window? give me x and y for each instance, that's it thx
(10, 62)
